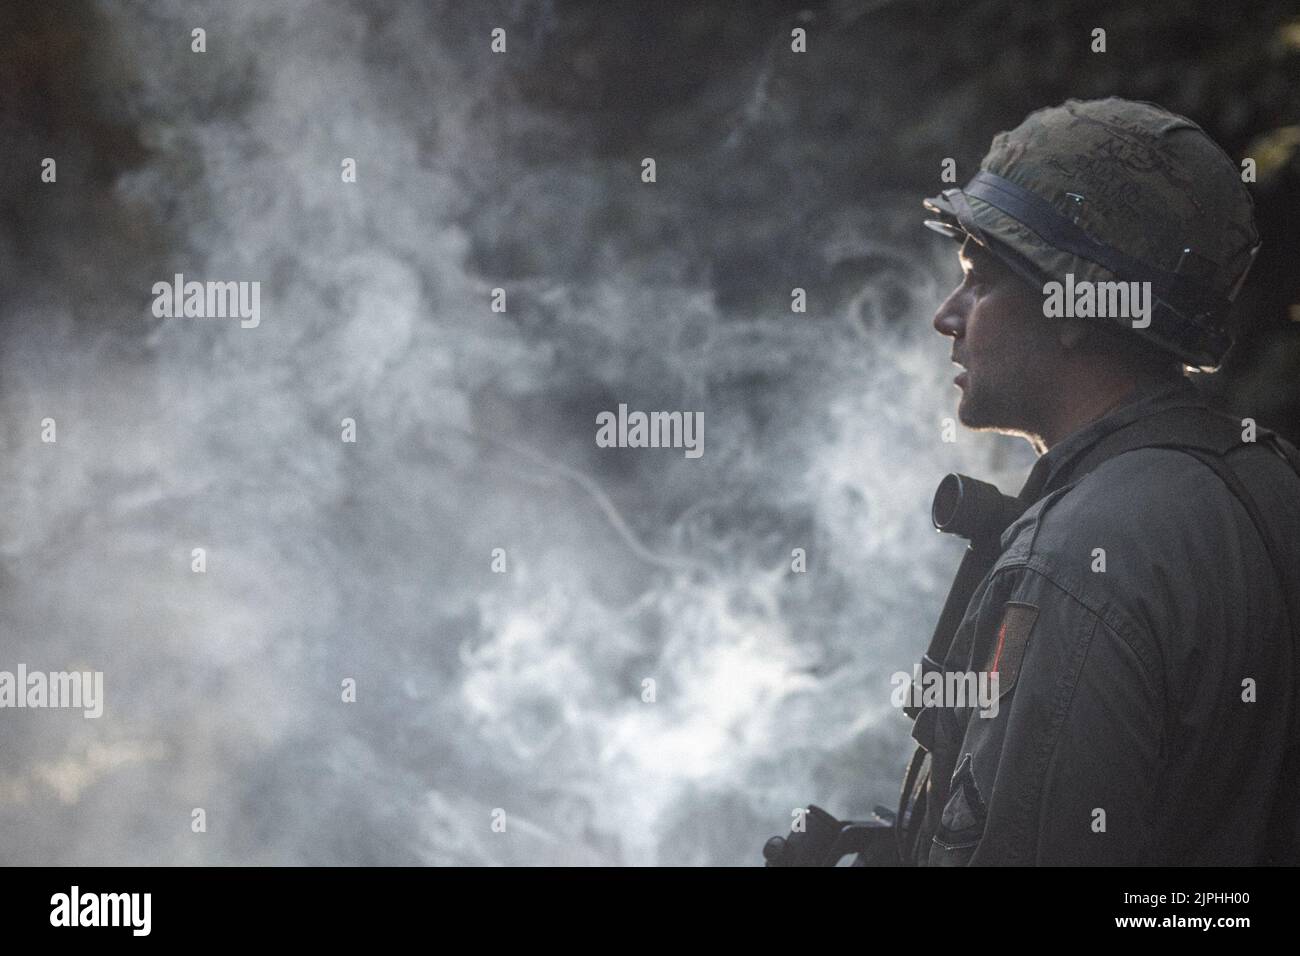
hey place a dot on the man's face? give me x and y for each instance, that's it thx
(1003, 342)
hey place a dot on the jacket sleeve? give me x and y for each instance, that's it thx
(1069, 762)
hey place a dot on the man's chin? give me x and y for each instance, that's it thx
(975, 414)
(968, 411)
(979, 416)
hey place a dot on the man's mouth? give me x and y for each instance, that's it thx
(960, 378)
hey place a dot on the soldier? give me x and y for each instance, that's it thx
(1139, 600)
(1140, 609)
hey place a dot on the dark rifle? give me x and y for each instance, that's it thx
(974, 510)
(824, 841)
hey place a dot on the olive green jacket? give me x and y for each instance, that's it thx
(1146, 667)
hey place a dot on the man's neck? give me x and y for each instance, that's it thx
(1081, 406)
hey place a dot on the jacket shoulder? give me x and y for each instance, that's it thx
(1148, 495)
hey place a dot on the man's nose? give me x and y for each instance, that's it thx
(950, 317)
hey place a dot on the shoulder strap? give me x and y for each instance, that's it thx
(1284, 814)
(1210, 437)
(1212, 441)
(1271, 545)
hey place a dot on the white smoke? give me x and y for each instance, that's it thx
(476, 691)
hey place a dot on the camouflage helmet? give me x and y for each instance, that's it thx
(1115, 190)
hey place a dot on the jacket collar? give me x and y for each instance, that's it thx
(1064, 460)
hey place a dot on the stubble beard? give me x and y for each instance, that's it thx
(1002, 407)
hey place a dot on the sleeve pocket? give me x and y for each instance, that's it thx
(961, 826)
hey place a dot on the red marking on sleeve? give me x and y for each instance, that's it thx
(997, 655)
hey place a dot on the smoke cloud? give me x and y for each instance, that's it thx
(522, 691)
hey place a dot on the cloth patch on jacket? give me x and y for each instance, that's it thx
(1009, 646)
